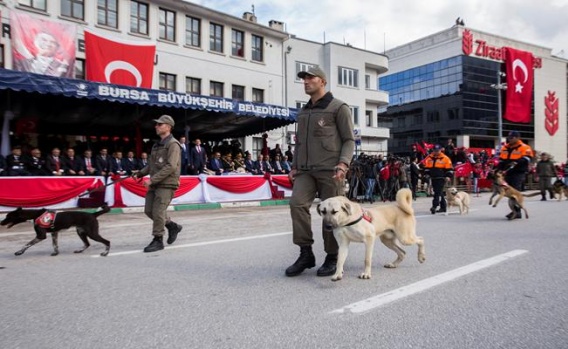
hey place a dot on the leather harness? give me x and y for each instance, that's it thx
(365, 215)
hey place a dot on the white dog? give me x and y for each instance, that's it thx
(391, 223)
(461, 199)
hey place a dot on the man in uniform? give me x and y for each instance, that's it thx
(438, 167)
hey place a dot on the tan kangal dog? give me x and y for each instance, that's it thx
(516, 198)
(391, 223)
(461, 199)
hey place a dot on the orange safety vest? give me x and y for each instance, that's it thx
(442, 162)
(515, 152)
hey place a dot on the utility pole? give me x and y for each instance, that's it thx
(499, 86)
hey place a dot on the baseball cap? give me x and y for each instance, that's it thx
(437, 147)
(515, 134)
(165, 119)
(313, 71)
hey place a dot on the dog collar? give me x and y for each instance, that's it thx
(365, 215)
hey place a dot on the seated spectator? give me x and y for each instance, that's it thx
(116, 164)
(36, 164)
(88, 164)
(259, 165)
(102, 162)
(130, 164)
(239, 163)
(215, 163)
(228, 163)
(71, 163)
(266, 164)
(15, 163)
(277, 165)
(249, 164)
(143, 161)
(54, 163)
(286, 164)
(2, 165)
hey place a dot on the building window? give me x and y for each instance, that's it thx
(301, 66)
(433, 116)
(348, 77)
(216, 89)
(368, 117)
(2, 60)
(73, 8)
(138, 17)
(167, 82)
(216, 37)
(107, 13)
(80, 68)
(193, 85)
(237, 43)
(192, 31)
(257, 145)
(453, 113)
(355, 113)
(167, 25)
(257, 95)
(238, 92)
(368, 82)
(257, 48)
(35, 4)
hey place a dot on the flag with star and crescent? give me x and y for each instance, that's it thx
(520, 77)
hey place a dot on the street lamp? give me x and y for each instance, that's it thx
(499, 86)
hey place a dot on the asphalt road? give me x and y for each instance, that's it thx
(487, 283)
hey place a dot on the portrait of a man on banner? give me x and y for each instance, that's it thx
(41, 46)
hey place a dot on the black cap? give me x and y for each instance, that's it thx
(437, 147)
(515, 134)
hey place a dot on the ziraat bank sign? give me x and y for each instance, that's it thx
(483, 49)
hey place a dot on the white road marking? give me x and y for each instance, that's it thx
(204, 243)
(420, 286)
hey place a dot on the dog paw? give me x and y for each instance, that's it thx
(54, 254)
(390, 266)
(336, 277)
(421, 258)
(365, 276)
(78, 251)
(494, 205)
(19, 253)
(104, 254)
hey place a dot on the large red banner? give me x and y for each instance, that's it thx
(41, 46)
(520, 76)
(119, 62)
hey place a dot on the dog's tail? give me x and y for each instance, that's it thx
(404, 200)
(532, 194)
(104, 209)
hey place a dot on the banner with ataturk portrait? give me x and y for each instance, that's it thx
(41, 46)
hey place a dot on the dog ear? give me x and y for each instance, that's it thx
(347, 208)
(318, 209)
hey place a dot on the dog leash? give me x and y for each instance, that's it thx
(102, 187)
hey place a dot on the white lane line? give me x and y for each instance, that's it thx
(204, 243)
(405, 291)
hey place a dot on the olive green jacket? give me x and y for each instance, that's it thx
(164, 163)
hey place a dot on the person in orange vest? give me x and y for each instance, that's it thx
(514, 160)
(439, 168)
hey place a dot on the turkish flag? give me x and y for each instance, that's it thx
(463, 170)
(119, 62)
(520, 76)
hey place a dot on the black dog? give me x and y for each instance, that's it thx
(46, 221)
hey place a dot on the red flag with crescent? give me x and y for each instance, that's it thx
(129, 63)
(520, 76)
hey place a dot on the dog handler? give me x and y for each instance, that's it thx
(324, 148)
(438, 167)
(164, 166)
(514, 160)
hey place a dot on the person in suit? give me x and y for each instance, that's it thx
(198, 157)
(2, 165)
(266, 164)
(116, 164)
(249, 165)
(36, 164)
(286, 164)
(130, 164)
(15, 163)
(277, 165)
(71, 163)
(259, 165)
(216, 165)
(102, 162)
(88, 164)
(143, 161)
(184, 155)
(54, 163)
(289, 153)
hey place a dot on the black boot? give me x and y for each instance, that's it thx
(543, 197)
(173, 230)
(306, 260)
(328, 267)
(552, 196)
(156, 245)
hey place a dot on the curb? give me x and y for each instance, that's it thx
(202, 206)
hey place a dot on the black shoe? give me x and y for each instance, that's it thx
(442, 210)
(433, 210)
(329, 266)
(156, 245)
(510, 215)
(306, 260)
(173, 230)
(543, 199)
(518, 215)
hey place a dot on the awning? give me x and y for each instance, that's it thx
(79, 105)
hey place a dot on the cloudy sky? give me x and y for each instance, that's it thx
(366, 23)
